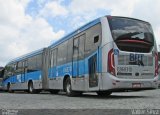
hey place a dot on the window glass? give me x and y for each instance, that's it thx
(81, 47)
(70, 50)
(90, 44)
(32, 64)
(75, 48)
(62, 53)
(51, 58)
(20, 68)
(55, 57)
(131, 35)
(126, 28)
(12, 69)
(39, 62)
(8, 72)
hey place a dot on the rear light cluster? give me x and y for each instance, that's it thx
(111, 64)
(156, 64)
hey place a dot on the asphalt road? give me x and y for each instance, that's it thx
(148, 100)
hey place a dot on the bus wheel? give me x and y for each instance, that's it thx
(9, 88)
(31, 88)
(104, 93)
(54, 91)
(68, 87)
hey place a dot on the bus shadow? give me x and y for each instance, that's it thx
(88, 95)
(113, 96)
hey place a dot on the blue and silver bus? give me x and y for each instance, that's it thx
(106, 55)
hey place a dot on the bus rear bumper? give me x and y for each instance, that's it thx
(134, 85)
(117, 84)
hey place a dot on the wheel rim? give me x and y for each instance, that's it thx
(30, 88)
(68, 88)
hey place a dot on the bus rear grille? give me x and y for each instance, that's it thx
(125, 60)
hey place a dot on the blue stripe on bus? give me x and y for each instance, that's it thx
(61, 70)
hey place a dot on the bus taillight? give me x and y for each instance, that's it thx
(111, 64)
(156, 64)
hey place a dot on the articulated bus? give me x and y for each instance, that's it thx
(106, 55)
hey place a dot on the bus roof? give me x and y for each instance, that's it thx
(80, 29)
(23, 57)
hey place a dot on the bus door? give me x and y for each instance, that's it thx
(53, 64)
(78, 66)
(75, 58)
(93, 63)
(24, 71)
(92, 67)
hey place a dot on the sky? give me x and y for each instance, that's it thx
(28, 25)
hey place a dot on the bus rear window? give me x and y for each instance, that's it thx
(131, 34)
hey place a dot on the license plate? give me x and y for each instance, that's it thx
(136, 85)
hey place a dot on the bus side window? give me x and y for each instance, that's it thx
(62, 53)
(70, 50)
(93, 39)
(96, 39)
(20, 67)
(51, 58)
(55, 57)
(1, 72)
(39, 62)
(31, 64)
(81, 47)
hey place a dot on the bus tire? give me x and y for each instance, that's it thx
(9, 88)
(31, 88)
(104, 93)
(54, 91)
(68, 88)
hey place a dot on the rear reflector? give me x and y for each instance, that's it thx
(111, 64)
(156, 64)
